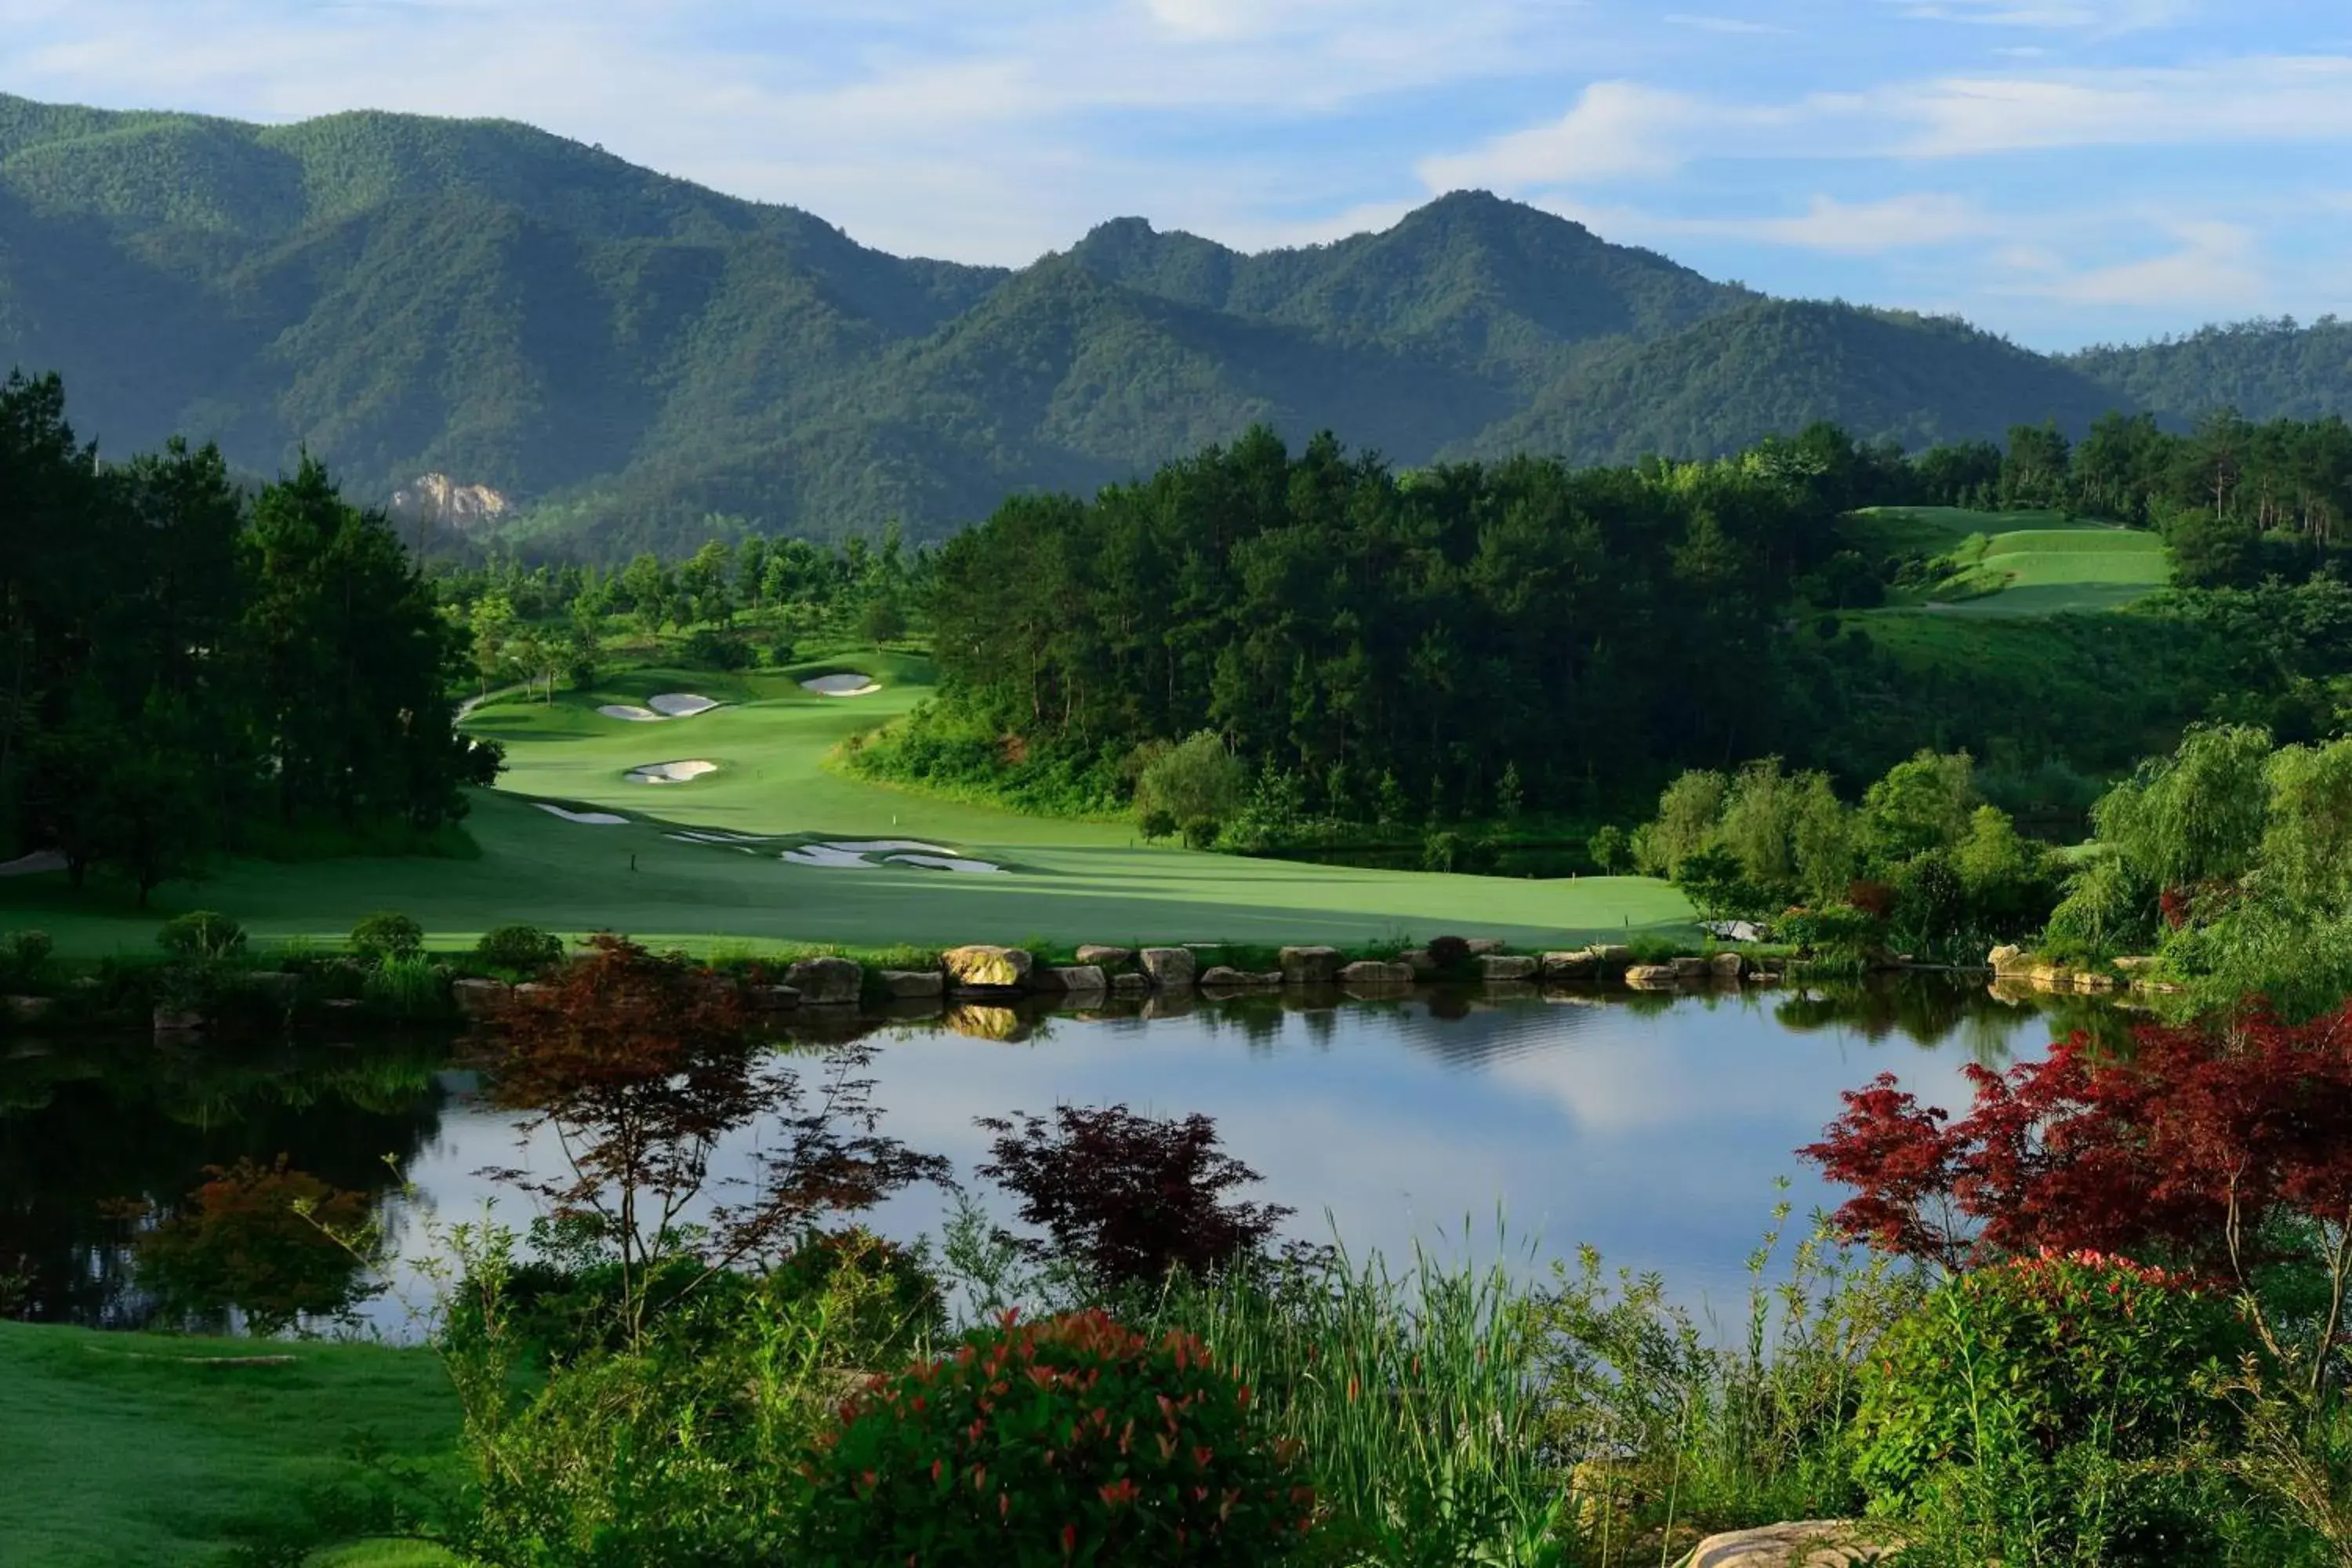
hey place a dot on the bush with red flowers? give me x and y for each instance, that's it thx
(1072, 1440)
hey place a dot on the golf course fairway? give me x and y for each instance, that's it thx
(767, 791)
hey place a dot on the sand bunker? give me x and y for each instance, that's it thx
(826, 855)
(585, 818)
(856, 855)
(35, 864)
(669, 705)
(842, 686)
(943, 863)
(671, 773)
(717, 836)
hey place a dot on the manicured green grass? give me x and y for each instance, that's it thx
(2015, 564)
(128, 1451)
(1066, 882)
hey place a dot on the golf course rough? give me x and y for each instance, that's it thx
(569, 844)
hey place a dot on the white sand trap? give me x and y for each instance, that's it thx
(842, 686)
(585, 818)
(671, 773)
(634, 715)
(943, 863)
(826, 855)
(679, 704)
(35, 864)
(885, 846)
(732, 840)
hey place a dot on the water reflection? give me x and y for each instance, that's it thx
(1652, 1127)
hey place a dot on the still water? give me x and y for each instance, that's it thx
(1653, 1128)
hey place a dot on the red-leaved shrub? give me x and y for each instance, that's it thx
(1073, 1440)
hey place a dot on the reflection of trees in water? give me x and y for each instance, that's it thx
(100, 1127)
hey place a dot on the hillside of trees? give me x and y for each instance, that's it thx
(630, 356)
(191, 667)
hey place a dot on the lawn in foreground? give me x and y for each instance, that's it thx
(1064, 881)
(151, 1451)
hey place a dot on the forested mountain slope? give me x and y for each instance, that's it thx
(625, 354)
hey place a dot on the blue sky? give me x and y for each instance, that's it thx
(2064, 170)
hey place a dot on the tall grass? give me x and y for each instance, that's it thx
(1415, 1395)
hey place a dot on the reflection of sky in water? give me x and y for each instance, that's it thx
(1655, 1135)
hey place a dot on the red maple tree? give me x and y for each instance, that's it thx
(2184, 1147)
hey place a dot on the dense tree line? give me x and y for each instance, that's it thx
(188, 666)
(1382, 645)
(1469, 641)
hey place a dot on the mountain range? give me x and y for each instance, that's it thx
(616, 356)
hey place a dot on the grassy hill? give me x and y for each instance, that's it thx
(629, 354)
(2013, 564)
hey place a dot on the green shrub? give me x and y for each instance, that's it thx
(1201, 833)
(201, 935)
(1839, 929)
(24, 954)
(386, 935)
(1070, 1440)
(519, 949)
(1157, 823)
(2010, 1379)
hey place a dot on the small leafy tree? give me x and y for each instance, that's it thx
(385, 936)
(204, 935)
(1197, 781)
(1128, 1198)
(1610, 850)
(641, 1065)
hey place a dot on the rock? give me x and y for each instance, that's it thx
(1171, 968)
(1110, 959)
(30, 1009)
(177, 1021)
(278, 985)
(1374, 974)
(1610, 957)
(912, 984)
(1692, 968)
(1763, 978)
(1219, 977)
(1417, 959)
(481, 998)
(983, 968)
(1075, 980)
(2090, 980)
(2135, 967)
(1483, 946)
(1652, 977)
(2004, 959)
(1728, 966)
(1131, 984)
(1269, 981)
(1581, 965)
(1494, 966)
(528, 991)
(1310, 965)
(1813, 1543)
(771, 998)
(825, 982)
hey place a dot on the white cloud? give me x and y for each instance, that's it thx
(1736, 26)
(2214, 266)
(1618, 130)
(2102, 19)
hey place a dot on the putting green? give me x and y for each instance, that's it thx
(1062, 881)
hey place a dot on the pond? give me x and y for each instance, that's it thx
(1653, 1128)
